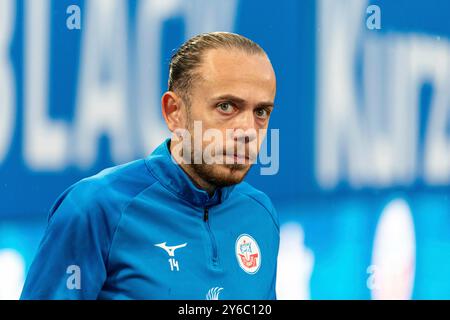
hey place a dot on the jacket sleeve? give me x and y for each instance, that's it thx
(72, 256)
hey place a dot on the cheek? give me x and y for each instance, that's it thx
(209, 120)
(262, 133)
(263, 124)
(216, 127)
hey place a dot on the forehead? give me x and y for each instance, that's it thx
(237, 70)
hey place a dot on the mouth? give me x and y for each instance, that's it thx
(237, 157)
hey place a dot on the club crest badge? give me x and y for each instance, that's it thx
(248, 254)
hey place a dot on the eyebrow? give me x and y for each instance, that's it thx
(236, 99)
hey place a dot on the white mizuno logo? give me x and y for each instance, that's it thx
(213, 293)
(170, 249)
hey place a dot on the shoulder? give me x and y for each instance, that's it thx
(260, 198)
(109, 191)
(254, 194)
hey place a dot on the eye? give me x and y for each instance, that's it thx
(262, 113)
(225, 107)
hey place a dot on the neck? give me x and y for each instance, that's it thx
(189, 170)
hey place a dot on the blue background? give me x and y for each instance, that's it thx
(339, 222)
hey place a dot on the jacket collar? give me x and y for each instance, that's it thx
(169, 173)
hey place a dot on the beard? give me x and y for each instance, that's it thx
(221, 175)
(217, 171)
(218, 175)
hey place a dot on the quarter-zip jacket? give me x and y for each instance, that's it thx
(143, 230)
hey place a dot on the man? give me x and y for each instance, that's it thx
(179, 224)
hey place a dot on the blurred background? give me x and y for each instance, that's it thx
(362, 108)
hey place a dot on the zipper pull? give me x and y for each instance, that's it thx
(205, 214)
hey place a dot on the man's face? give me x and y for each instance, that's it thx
(235, 96)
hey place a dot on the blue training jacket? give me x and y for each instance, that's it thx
(143, 230)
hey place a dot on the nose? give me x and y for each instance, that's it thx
(244, 129)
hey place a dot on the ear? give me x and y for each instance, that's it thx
(172, 110)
